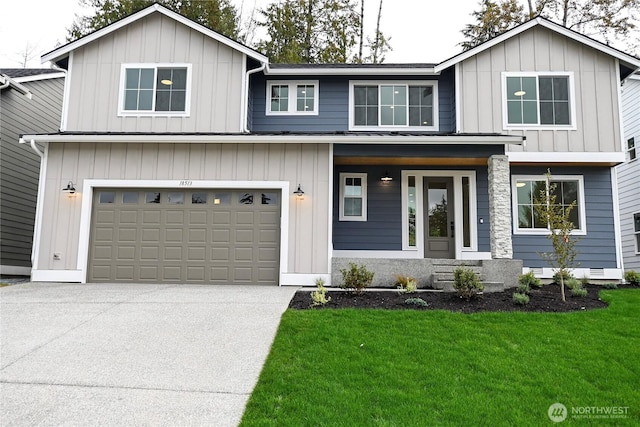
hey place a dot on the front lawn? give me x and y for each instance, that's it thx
(420, 368)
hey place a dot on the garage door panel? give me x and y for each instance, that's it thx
(225, 236)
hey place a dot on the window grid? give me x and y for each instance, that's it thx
(305, 98)
(292, 97)
(154, 89)
(353, 197)
(636, 230)
(538, 100)
(393, 105)
(631, 149)
(280, 98)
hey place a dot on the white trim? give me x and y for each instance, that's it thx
(582, 231)
(68, 276)
(615, 198)
(284, 138)
(293, 97)
(140, 113)
(244, 99)
(628, 59)
(354, 70)
(457, 176)
(458, 100)
(363, 180)
(304, 279)
(330, 209)
(60, 52)
(14, 270)
(64, 117)
(88, 186)
(565, 157)
(397, 128)
(605, 273)
(636, 234)
(620, 108)
(39, 77)
(537, 126)
(37, 228)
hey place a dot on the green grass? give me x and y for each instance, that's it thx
(422, 368)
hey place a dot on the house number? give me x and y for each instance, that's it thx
(186, 183)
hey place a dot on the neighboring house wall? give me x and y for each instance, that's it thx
(20, 166)
(541, 50)
(304, 164)
(217, 73)
(629, 174)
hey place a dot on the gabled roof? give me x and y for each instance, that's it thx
(17, 73)
(625, 59)
(63, 51)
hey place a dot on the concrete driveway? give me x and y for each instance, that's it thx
(114, 354)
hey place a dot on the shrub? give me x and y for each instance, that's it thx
(520, 298)
(530, 279)
(573, 283)
(523, 288)
(565, 274)
(579, 292)
(632, 277)
(356, 278)
(319, 296)
(406, 284)
(584, 281)
(417, 302)
(610, 286)
(467, 283)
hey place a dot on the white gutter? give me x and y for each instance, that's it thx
(245, 113)
(33, 146)
(373, 71)
(35, 247)
(7, 81)
(283, 139)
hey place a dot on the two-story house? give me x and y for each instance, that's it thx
(186, 157)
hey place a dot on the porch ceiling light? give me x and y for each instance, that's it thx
(70, 188)
(386, 177)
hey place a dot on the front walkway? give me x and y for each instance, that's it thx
(133, 354)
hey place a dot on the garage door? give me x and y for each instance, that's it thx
(182, 236)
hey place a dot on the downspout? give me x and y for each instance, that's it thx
(245, 124)
(35, 245)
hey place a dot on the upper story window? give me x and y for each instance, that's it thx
(631, 149)
(287, 97)
(155, 89)
(567, 190)
(533, 100)
(393, 105)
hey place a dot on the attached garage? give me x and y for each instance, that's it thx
(216, 236)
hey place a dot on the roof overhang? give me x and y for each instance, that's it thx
(566, 158)
(63, 51)
(277, 138)
(40, 77)
(351, 71)
(6, 81)
(625, 59)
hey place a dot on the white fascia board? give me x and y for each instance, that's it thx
(41, 77)
(356, 71)
(566, 157)
(64, 50)
(627, 59)
(284, 139)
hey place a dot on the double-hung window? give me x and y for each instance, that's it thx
(538, 100)
(636, 230)
(155, 89)
(353, 197)
(529, 193)
(393, 106)
(631, 149)
(286, 97)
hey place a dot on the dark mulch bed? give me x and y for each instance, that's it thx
(545, 299)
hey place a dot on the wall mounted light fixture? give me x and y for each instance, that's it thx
(70, 188)
(299, 193)
(386, 177)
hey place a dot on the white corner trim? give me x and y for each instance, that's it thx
(616, 218)
(88, 186)
(71, 276)
(565, 157)
(37, 226)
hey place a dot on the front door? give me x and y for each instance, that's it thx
(439, 230)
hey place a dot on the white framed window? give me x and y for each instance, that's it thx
(393, 105)
(631, 149)
(525, 192)
(353, 197)
(154, 90)
(538, 100)
(292, 97)
(636, 231)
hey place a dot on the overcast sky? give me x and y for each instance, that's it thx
(420, 30)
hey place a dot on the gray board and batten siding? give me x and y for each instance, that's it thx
(333, 103)
(20, 165)
(629, 174)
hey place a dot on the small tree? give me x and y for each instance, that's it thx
(557, 216)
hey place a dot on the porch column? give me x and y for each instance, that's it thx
(500, 207)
